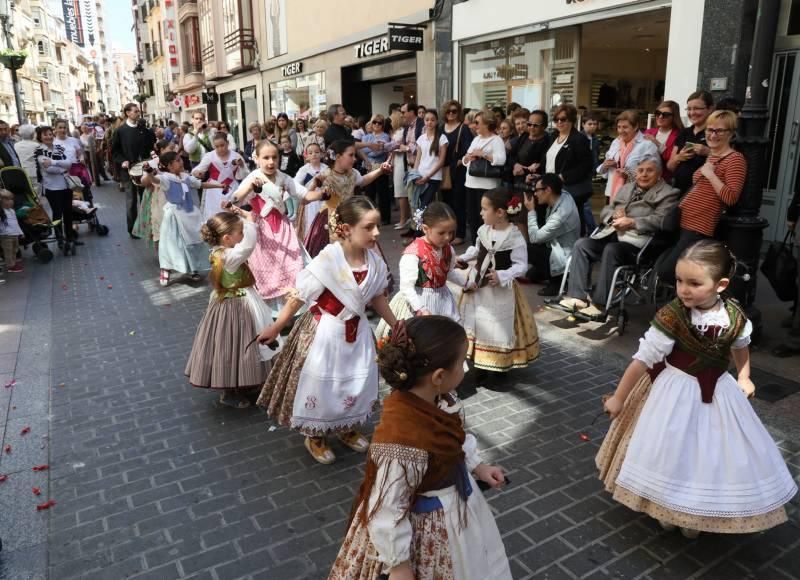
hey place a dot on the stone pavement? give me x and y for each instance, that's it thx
(153, 480)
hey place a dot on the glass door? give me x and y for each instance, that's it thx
(783, 177)
(230, 114)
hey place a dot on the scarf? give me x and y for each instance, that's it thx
(505, 242)
(617, 179)
(433, 269)
(409, 421)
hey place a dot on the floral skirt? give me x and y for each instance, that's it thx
(609, 461)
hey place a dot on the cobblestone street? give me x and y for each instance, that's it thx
(153, 479)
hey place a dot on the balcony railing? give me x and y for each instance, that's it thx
(207, 53)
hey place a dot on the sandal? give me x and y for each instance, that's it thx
(234, 401)
(319, 450)
(355, 441)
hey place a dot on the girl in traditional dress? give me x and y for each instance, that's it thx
(278, 256)
(689, 450)
(223, 355)
(337, 184)
(307, 212)
(181, 249)
(499, 322)
(425, 268)
(325, 380)
(419, 512)
(151, 206)
(223, 166)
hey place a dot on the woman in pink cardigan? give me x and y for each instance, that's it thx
(663, 135)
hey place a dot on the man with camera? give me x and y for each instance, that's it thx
(197, 142)
(637, 214)
(132, 143)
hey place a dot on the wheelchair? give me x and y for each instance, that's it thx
(638, 280)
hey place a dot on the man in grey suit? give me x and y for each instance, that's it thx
(637, 214)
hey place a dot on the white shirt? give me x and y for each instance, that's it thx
(428, 160)
(494, 146)
(72, 147)
(550, 165)
(11, 227)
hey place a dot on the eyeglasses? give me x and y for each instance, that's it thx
(452, 111)
(377, 122)
(561, 120)
(715, 132)
(535, 124)
(663, 114)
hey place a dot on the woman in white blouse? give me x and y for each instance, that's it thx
(486, 145)
(431, 154)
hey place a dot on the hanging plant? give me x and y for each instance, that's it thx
(13, 59)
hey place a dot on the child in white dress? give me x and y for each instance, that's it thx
(691, 452)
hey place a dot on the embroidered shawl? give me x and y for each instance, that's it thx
(433, 269)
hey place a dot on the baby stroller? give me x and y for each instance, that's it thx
(37, 229)
(83, 210)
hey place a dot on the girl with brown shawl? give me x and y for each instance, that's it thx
(419, 513)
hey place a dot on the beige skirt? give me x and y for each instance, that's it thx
(609, 461)
(220, 356)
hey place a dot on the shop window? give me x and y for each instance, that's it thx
(299, 97)
(249, 98)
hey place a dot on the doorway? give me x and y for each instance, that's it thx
(783, 177)
(369, 88)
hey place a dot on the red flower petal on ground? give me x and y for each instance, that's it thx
(109, 286)
(36, 491)
(41, 467)
(102, 277)
(584, 437)
(10, 383)
(46, 505)
(3, 478)
(25, 431)
(7, 449)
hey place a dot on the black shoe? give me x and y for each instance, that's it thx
(548, 291)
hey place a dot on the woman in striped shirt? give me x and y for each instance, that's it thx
(716, 186)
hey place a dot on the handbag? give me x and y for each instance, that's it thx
(447, 178)
(482, 168)
(780, 268)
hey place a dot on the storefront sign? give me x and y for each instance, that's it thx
(169, 33)
(191, 100)
(73, 22)
(292, 69)
(405, 38)
(372, 47)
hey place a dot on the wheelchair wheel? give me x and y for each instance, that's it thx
(101, 230)
(622, 322)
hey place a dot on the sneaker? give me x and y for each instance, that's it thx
(573, 304)
(15, 269)
(2, 281)
(355, 441)
(591, 311)
(401, 225)
(319, 450)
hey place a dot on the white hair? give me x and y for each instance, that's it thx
(26, 131)
(654, 159)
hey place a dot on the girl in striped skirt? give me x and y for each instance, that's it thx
(224, 356)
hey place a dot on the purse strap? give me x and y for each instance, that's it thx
(789, 237)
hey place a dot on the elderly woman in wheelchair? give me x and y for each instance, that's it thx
(639, 214)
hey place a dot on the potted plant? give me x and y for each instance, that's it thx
(13, 59)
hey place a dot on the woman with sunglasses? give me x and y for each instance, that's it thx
(373, 148)
(570, 157)
(716, 186)
(625, 153)
(459, 138)
(665, 133)
(691, 150)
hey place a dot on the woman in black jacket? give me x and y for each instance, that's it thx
(570, 157)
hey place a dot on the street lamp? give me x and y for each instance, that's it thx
(13, 60)
(138, 72)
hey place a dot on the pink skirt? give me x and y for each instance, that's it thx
(276, 259)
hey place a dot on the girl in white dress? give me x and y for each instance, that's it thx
(698, 457)
(307, 212)
(426, 266)
(420, 512)
(496, 315)
(223, 166)
(181, 248)
(325, 380)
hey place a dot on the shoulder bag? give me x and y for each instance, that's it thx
(447, 179)
(482, 168)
